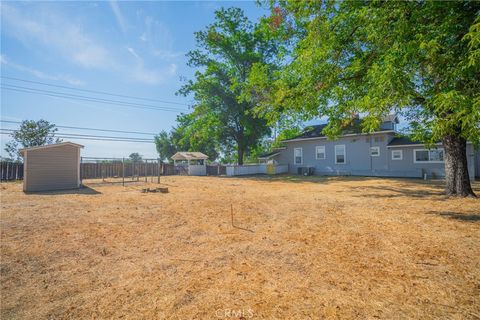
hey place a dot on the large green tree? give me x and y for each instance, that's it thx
(227, 50)
(31, 133)
(135, 157)
(418, 58)
(187, 135)
(165, 145)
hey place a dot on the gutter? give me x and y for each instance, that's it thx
(416, 145)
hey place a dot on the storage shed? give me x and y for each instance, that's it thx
(51, 167)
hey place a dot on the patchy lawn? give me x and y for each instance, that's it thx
(313, 247)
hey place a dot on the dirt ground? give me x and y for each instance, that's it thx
(302, 248)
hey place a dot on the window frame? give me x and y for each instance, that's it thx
(401, 155)
(429, 155)
(344, 154)
(378, 151)
(324, 153)
(295, 156)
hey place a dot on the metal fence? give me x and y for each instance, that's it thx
(11, 170)
(216, 170)
(121, 170)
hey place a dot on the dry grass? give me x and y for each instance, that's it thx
(321, 247)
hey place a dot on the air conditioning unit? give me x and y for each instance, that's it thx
(305, 171)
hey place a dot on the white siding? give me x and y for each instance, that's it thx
(197, 170)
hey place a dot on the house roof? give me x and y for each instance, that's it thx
(403, 141)
(187, 155)
(406, 141)
(315, 131)
(53, 145)
(269, 155)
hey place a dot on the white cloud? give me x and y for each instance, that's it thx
(118, 15)
(148, 75)
(41, 75)
(57, 34)
(159, 39)
(48, 32)
(172, 69)
(133, 53)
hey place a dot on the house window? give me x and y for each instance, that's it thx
(340, 156)
(298, 153)
(397, 154)
(436, 155)
(424, 155)
(320, 152)
(375, 151)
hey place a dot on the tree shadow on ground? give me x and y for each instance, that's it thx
(411, 190)
(469, 217)
(295, 178)
(83, 190)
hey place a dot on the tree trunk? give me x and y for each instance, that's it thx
(456, 168)
(240, 153)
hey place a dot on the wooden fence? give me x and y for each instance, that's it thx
(11, 170)
(113, 169)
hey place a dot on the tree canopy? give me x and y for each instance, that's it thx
(31, 133)
(188, 135)
(227, 50)
(135, 157)
(420, 59)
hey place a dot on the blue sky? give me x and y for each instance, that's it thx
(127, 48)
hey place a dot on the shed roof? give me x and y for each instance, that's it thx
(53, 145)
(187, 155)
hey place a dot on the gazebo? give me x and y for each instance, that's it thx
(194, 161)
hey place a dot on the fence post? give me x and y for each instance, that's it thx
(123, 172)
(81, 170)
(158, 165)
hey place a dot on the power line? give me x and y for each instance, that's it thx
(88, 135)
(91, 129)
(93, 139)
(86, 98)
(94, 91)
